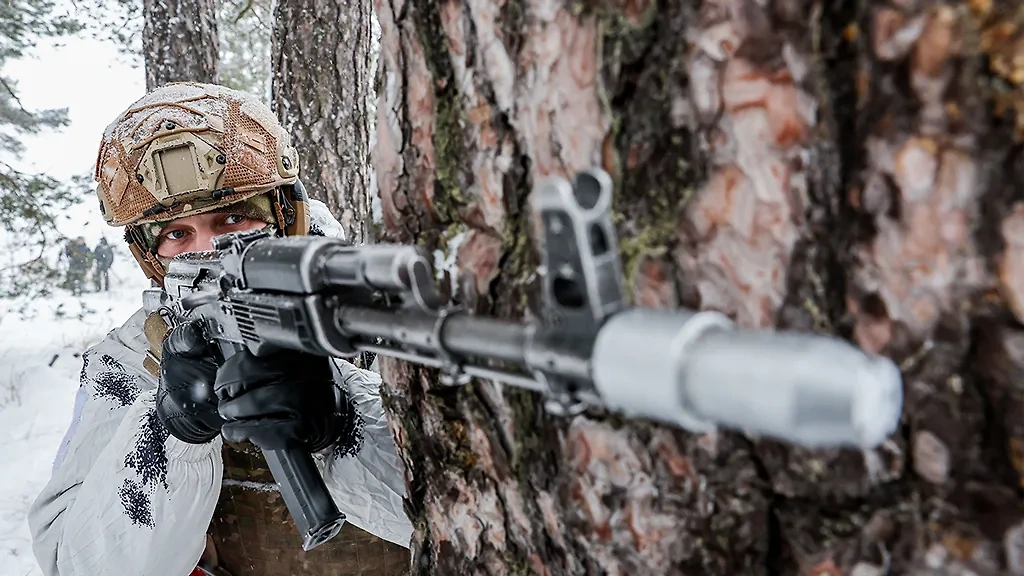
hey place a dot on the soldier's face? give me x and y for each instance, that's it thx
(193, 233)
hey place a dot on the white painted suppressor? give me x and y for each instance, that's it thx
(694, 370)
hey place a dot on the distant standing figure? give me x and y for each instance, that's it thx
(104, 256)
(79, 261)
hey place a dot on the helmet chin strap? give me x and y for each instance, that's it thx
(148, 261)
(289, 203)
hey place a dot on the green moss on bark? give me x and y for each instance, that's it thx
(449, 146)
(653, 240)
(448, 149)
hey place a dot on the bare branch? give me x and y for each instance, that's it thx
(247, 8)
(13, 95)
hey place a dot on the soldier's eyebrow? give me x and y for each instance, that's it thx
(172, 227)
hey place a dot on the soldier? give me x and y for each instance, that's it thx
(149, 482)
(79, 261)
(65, 258)
(104, 256)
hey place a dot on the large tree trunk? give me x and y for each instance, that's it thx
(179, 41)
(322, 89)
(848, 167)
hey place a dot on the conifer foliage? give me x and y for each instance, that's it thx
(29, 202)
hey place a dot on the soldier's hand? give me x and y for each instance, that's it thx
(277, 401)
(185, 399)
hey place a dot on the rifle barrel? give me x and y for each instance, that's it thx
(462, 336)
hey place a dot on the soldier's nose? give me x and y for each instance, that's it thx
(204, 240)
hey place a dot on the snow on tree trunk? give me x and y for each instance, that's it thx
(846, 167)
(321, 88)
(179, 41)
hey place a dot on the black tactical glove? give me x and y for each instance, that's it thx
(285, 399)
(185, 399)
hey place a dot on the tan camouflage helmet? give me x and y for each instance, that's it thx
(189, 148)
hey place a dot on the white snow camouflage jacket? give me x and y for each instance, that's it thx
(127, 498)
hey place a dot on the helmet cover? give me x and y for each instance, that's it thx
(188, 148)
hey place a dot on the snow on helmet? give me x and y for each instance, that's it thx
(187, 148)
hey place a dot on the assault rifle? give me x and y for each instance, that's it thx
(681, 367)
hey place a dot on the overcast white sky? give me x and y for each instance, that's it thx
(95, 83)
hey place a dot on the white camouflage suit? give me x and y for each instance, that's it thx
(126, 498)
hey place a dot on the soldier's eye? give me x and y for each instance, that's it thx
(174, 234)
(234, 219)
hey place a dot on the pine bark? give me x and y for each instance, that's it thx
(846, 167)
(322, 90)
(179, 41)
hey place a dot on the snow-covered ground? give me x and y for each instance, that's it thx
(40, 347)
(40, 342)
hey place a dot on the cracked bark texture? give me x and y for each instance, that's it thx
(179, 41)
(322, 90)
(846, 167)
